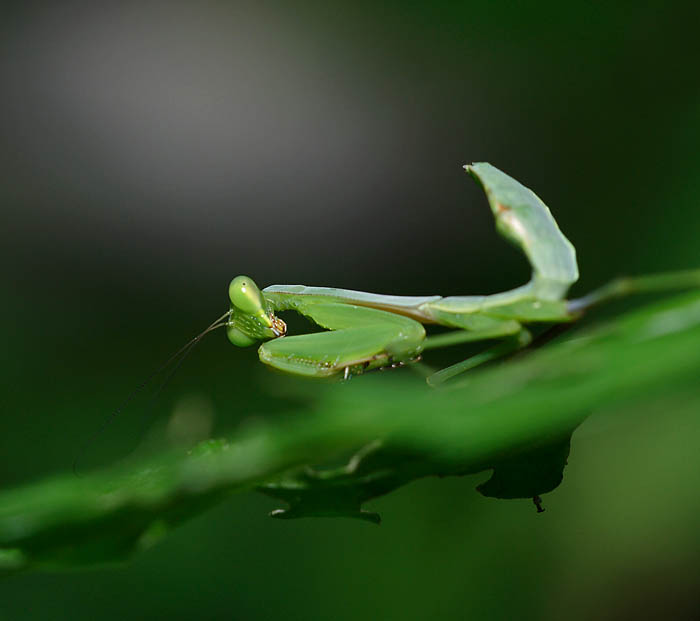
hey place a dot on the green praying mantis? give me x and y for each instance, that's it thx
(368, 331)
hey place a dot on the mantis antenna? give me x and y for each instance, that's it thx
(177, 358)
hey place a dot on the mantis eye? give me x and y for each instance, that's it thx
(246, 296)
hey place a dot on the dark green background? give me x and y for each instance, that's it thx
(151, 153)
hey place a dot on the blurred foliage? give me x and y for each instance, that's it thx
(515, 418)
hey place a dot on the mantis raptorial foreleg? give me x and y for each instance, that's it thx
(359, 339)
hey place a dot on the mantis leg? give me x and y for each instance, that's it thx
(497, 330)
(359, 338)
(508, 346)
(622, 287)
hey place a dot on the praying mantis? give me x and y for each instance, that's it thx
(366, 331)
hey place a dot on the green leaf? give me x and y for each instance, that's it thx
(528, 475)
(514, 418)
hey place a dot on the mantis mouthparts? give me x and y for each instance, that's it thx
(278, 326)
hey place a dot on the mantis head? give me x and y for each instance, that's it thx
(251, 319)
